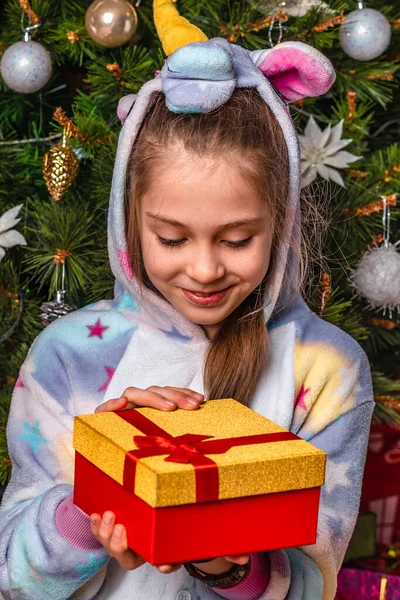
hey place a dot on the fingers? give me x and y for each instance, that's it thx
(163, 398)
(115, 404)
(238, 559)
(169, 568)
(114, 539)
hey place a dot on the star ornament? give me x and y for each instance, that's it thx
(9, 236)
(322, 154)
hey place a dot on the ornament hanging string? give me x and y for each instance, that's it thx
(32, 16)
(273, 20)
(31, 27)
(386, 222)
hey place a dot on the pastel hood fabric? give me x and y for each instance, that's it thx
(316, 384)
(199, 78)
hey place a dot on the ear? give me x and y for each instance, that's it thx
(124, 106)
(295, 69)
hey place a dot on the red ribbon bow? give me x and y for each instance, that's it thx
(187, 448)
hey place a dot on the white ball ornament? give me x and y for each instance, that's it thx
(26, 67)
(365, 34)
(377, 278)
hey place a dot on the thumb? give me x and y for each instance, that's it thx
(238, 559)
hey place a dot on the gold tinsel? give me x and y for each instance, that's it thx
(61, 117)
(352, 104)
(61, 256)
(374, 207)
(385, 323)
(59, 168)
(233, 32)
(26, 7)
(357, 174)
(72, 36)
(331, 22)
(116, 70)
(324, 289)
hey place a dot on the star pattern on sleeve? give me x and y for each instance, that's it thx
(32, 436)
(300, 398)
(97, 329)
(336, 475)
(176, 335)
(110, 373)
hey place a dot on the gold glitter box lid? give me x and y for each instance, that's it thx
(243, 470)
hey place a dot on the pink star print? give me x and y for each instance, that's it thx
(300, 398)
(97, 329)
(125, 263)
(19, 382)
(110, 373)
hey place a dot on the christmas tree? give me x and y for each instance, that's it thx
(57, 145)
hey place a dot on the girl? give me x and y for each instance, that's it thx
(205, 244)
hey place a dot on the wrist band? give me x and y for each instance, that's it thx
(225, 580)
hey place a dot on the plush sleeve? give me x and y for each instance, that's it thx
(36, 561)
(333, 410)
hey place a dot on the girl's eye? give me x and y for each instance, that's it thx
(171, 243)
(240, 244)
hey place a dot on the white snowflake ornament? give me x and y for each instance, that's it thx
(377, 278)
(8, 236)
(321, 151)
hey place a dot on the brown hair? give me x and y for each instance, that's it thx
(245, 132)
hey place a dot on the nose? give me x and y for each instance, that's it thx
(205, 265)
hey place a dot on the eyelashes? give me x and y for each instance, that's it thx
(179, 242)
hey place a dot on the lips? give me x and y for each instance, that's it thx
(202, 299)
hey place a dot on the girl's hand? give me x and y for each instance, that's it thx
(221, 565)
(162, 398)
(114, 539)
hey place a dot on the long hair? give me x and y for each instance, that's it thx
(246, 132)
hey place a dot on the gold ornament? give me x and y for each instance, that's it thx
(60, 166)
(111, 23)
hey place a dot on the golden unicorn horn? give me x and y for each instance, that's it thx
(173, 30)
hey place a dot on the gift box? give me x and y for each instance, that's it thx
(357, 584)
(191, 485)
(381, 488)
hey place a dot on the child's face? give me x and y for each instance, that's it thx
(205, 236)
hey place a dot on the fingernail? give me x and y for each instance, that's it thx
(191, 401)
(93, 521)
(107, 519)
(117, 533)
(169, 403)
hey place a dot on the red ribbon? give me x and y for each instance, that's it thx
(186, 448)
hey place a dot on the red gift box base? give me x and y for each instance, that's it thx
(197, 531)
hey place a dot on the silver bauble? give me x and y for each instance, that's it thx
(377, 278)
(26, 67)
(365, 34)
(111, 23)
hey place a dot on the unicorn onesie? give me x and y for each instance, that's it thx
(317, 383)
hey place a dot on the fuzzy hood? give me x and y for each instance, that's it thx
(198, 78)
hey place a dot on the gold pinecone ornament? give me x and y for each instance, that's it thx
(60, 167)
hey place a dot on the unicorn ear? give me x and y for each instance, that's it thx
(295, 69)
(124, 106)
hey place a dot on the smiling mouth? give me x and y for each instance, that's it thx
(206, 299)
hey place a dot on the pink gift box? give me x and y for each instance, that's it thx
(356, 584)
